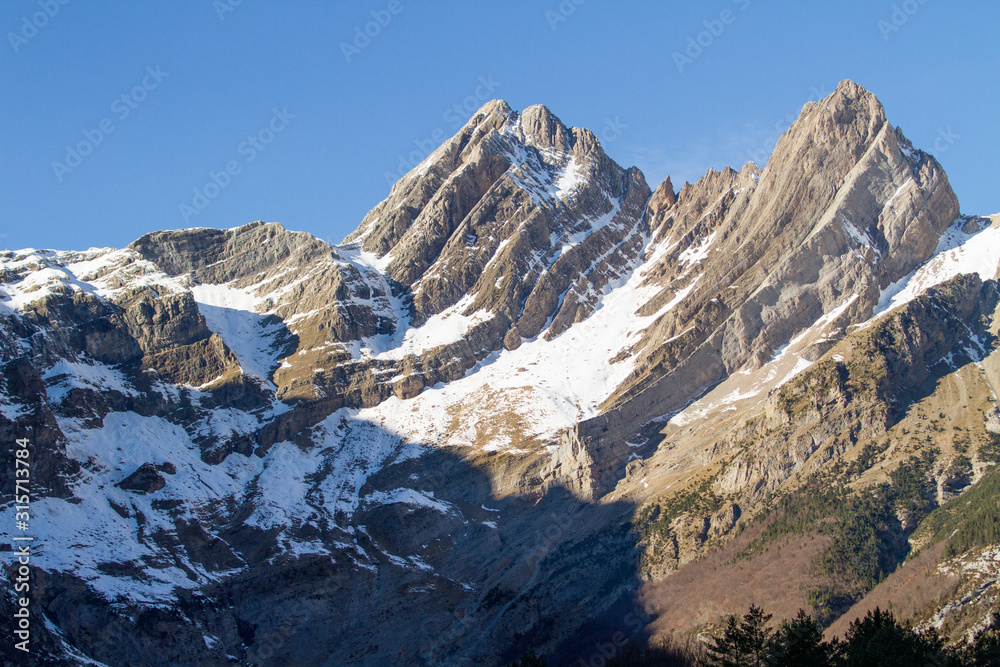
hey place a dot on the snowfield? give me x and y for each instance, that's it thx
(957, 253)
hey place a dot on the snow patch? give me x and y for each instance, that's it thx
(956, 253)
(449, 326)
(695, 253)
(233, 314)
(410, 497)
(67, 375)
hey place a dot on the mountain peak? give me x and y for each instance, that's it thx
(849, 114)
(851, 88)
(538, 124)
(543, 129)
(520, 331)
(496, 106)
(663, 197)
(496, 110)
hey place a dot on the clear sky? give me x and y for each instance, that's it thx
(115, 112)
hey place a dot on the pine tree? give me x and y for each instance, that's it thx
(726, 650)
(879, 636)
(746, 643)
(984, 651)
(800, 643)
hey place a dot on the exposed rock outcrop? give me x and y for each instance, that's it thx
(844, 207)
(427, 444)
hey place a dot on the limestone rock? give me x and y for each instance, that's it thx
(441, 434)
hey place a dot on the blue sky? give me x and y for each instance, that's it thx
(115, 113)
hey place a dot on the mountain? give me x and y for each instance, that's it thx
(527, 404)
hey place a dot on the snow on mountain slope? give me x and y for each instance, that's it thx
(549, 176)
(957, 252)
(449, 326)
(233, 314)
(549, 384)
(67, 375)
(86, 537)
(109, 524)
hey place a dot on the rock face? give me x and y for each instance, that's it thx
(844, 208)
(787, 245)
(147, 478)
(859, 390)
(516, 215)
(427, 444)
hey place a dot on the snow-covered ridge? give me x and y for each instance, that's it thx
(30, 275)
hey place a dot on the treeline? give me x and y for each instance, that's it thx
(877, 640)
(968, 521)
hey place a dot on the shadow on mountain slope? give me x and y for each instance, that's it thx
(439, 564)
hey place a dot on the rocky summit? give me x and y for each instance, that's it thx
(529, 404)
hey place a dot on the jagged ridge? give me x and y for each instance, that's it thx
(517, 313)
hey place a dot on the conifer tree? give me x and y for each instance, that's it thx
(799, 643)
(746, 643)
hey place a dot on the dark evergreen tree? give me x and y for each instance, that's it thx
(879, 639)
(725, 650)
(799, 643)
(984, 651)
(746, 643)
